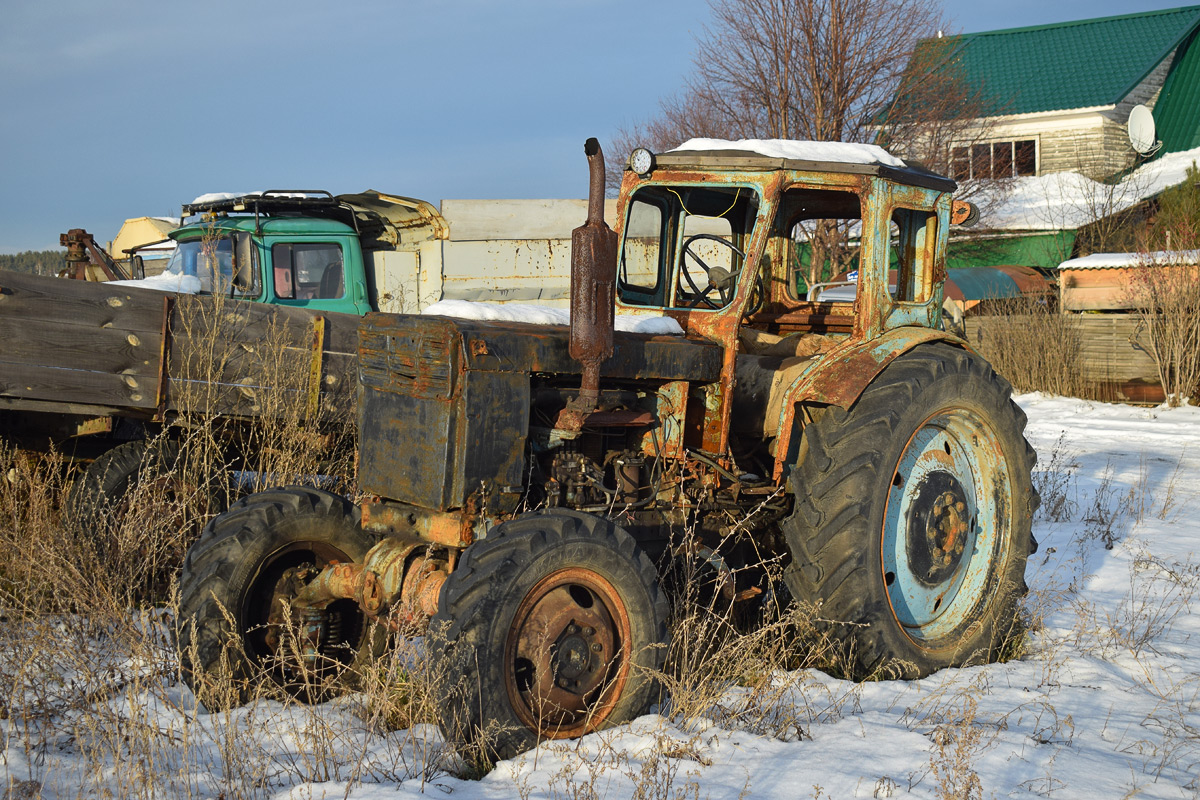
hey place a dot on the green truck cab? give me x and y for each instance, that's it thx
(306, 249)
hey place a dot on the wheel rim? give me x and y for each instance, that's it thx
(279, 579)
(566, 659)
(946, 525)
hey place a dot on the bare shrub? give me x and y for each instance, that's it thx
(1036, 348)
(1108, 516)
(1054, 481)
(1166, 297)
(955, 746)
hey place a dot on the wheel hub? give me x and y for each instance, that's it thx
(938, 528)
(573, 655)
(565, 662)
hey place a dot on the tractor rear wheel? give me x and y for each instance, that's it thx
(552, 627)
(912, 517)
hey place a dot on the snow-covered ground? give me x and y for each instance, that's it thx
(1105, 703)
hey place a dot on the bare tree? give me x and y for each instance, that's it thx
(793, 69)
(827, 70)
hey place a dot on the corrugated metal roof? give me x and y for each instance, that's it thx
(1081, 64)
(1177, 112)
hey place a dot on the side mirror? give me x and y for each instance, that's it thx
(243, 261)
(137, 267)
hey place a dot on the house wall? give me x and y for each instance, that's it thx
(1088, 140)
(1097, 150)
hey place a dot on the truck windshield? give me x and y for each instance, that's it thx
(209, 260)
(685, 246)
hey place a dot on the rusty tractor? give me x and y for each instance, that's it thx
(526, 484)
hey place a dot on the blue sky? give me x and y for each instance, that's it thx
(128, 108)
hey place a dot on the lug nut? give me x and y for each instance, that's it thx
(590, 631)
(596, 648)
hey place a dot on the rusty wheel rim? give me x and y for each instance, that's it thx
(566, 656)
(946, 526)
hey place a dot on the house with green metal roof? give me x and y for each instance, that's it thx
(1054, 100)
(1061, 95)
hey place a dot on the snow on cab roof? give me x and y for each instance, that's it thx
(1117, 260)
(216, 197)
(836, 152)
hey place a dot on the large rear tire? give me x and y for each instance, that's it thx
(553, 627)
(912, 517)
(237, 579)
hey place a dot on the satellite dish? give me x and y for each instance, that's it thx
(1141, 130)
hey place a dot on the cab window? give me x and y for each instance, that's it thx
(308, 271)
(685, 246)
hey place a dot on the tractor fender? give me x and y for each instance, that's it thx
(840, 376)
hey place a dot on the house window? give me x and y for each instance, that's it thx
(995, 160)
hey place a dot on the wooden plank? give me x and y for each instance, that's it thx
(1111, 349)
(79, 303)
(246, 359)
(50, 343)
(45, 406)
(76, 386)
(236, 321)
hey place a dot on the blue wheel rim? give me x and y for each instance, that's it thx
(945, 525)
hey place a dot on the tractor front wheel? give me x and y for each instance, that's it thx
(237, 630)
(552, 627)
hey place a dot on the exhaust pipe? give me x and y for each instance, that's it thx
(593, 281)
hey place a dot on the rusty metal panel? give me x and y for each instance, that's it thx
(493, 423)
(842, 375)
(523, 347)
(409, 355)
(431, 431)
(409, 371)
(405, 446)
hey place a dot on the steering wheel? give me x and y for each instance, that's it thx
(719, 278)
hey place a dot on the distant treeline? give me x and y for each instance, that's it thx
(39, 262)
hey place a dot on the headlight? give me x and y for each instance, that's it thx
(641, 161)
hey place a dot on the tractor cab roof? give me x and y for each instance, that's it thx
(788, 154)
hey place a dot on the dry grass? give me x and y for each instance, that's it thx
(88, 667)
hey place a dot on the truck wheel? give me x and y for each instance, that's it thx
(912, 516)
(552, 627)
(106, 499)
(237, 582)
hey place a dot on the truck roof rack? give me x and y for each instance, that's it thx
(273, 201)
(380, 220)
